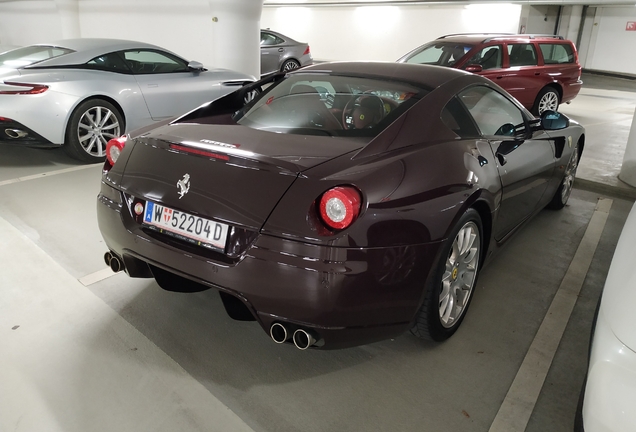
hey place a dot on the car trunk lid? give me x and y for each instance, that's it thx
(235, 174)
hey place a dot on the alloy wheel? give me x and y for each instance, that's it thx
(549, 101)
(570, 173)
(460, 274)
(290, 65)
(96, 127)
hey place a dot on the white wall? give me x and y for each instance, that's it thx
(383, 33)
(27, 22)
(612, 48)
(186, 27)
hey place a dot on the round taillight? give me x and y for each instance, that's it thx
(340, 206)
(114, 148)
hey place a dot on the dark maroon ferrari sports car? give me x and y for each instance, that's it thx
(347, 203)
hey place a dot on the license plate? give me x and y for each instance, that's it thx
(196, 229)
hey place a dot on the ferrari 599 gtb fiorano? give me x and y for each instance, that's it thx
(347, 203)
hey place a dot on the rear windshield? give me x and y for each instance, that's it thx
(30, 55)
(329, 105)
(440, 54)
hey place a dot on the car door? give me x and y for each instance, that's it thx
(169, 87)
(271, 52)
(522, 76)
(525, 158)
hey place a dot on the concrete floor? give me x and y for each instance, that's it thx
(84, 350)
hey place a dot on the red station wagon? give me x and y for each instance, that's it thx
(540, 71)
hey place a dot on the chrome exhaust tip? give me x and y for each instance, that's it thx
(113, 261)
(116, 265)
(303, 339)
(107, 258)
(279, 333)
(15, 133)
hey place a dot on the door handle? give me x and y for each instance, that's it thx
(281, 49)
(500, 77)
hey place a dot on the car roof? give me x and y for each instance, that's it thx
(85, 49)
(425, 76)
(476, 38)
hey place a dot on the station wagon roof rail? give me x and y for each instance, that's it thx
(529, 36)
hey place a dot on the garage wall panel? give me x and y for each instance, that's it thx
(29, 22)
(383, 33)
(613, 46)
(184, 27)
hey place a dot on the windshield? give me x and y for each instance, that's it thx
(440, 54)
(26, 56)
(329, 105)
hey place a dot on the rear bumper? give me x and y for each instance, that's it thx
(571, 90)
(13, 132)
(347, 296)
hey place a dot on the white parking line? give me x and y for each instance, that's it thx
(517, 407)
(46, 174)
(99, 275)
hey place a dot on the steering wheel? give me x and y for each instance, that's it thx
(363, 111)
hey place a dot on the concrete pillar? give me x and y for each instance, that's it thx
(575, 15)
(236, 34)
(628, 169)
(68, 11)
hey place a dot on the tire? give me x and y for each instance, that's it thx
(562, 194)
(93, 123)
(289, 65)
(547, 99)
(453, 282)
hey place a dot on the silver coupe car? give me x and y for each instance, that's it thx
(80, 93)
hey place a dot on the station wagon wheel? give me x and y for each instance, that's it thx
(93, 123)
(561, 196)
(453, 281)
(290, 64)
(547, 100)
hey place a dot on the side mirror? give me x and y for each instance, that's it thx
(195, 66)
(474, 68)
(551, 120)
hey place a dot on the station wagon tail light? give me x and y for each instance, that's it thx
(114, 148)
(340, 206)
(25, 89)
(307, 51)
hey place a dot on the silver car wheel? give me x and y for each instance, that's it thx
(96, 127)
(570, 173)
(549, 101)
(290, 65)
(460, 274)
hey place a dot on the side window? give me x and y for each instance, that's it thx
(493, 113)
(489, 57)
(457, 119)
(153, 62)
(522, 55)
(268, 39)
(557, 53)
(109, 62)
